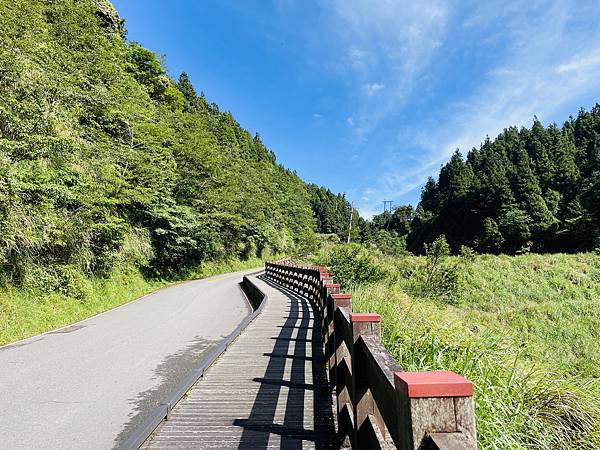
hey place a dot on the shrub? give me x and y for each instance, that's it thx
(352, 264)
(439, 276)
(388, 242)
(67, 280)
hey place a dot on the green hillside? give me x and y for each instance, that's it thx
(110, 167)
(105, 160)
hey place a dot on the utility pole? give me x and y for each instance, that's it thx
(350, 225)
(387, 220)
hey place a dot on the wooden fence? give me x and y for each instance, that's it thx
(379, 406)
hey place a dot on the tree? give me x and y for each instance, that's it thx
(526, 189)
(189, 93)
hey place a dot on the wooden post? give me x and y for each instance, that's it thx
(435, 408)
(332, 288)
(340, 363)
(366, 413)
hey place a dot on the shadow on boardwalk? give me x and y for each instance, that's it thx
(297, 335)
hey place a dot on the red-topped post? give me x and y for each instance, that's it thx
(365, 326)
(436, 409)
(332, 288)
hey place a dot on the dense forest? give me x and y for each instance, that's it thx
(530, 189)
(105, 161)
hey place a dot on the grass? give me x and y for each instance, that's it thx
(524, 329)
(28, 312)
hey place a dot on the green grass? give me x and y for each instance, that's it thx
(524, 329)
(27, 312)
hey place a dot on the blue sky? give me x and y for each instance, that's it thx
(370, 97)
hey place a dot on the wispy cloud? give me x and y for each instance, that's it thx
(547, 64)
(392, 41)
(371, 89)
(409, 82)
(581, 64)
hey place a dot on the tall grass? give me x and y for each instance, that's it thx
(524, 329)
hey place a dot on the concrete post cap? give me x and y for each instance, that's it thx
(365, 317)
(437, 383)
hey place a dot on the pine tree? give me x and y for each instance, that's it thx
(189, 93)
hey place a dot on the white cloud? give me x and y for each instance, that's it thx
(350, 121)
(360, 60)
(372, 88)
(393, 41)
(581, 63)
(317, 116)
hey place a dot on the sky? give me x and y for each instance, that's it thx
(370, 97)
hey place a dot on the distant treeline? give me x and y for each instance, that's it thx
(534, 189)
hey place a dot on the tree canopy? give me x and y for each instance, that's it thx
(530, 189)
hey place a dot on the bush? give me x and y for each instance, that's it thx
(67, 280)
(439, 276)
(388, 242)
(352, 264)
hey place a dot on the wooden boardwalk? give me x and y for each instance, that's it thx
(268, 390)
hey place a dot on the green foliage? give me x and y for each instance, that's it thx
(438, 277)
(106, 162)
(387, 242)
(523, 328)
(352, 264)
(532, 189)
(332, 213)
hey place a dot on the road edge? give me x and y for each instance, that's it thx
(257, 300)
(38, 336)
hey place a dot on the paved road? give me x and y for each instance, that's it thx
(88, 385)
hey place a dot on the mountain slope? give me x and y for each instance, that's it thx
(107, 162)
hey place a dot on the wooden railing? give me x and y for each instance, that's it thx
(379, 406)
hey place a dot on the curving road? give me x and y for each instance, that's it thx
(89, 384)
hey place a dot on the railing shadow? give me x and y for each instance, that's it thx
(296, 334)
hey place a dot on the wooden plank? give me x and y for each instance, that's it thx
(269, 390)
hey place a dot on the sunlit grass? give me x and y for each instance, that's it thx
(524, 329)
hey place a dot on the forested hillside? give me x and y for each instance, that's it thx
(332, 213)
(532, 189)
(107, 162)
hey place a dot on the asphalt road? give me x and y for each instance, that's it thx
(88, 385)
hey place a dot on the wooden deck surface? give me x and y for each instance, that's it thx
(268, 390)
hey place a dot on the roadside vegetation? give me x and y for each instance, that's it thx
(525, 329)
(116, 179)
(25, 312)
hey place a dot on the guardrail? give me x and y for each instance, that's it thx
(379, 406)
